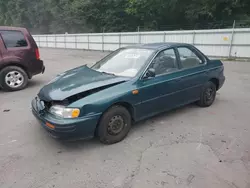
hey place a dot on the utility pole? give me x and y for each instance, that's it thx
(232, 38)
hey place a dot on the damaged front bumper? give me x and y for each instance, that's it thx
(78, 128)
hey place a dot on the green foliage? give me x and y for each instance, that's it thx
(72, 16)
(108, 15)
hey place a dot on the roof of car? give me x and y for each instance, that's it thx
(11, 28)
(158, 46)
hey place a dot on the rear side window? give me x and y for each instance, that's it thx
(13, 39)
(188, 58)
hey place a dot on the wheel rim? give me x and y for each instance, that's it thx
(116, 125)
(14, 79)
(209, 94)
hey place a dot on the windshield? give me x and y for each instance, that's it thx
(124, 62)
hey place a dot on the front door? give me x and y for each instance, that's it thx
(157, 94)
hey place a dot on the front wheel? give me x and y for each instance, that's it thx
(114, 125)
(13, 78)
(208, 95)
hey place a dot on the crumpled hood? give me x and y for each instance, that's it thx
(76, 81)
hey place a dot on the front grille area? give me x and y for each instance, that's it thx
(47, 105)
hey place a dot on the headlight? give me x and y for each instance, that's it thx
(64, 112)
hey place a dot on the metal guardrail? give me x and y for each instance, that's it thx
(227, 43)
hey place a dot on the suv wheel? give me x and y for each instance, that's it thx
(13, 78)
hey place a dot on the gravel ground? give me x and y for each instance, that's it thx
(187, 147)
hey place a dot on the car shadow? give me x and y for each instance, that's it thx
(35, 83)
(171, 113)
(94, 143)
(31, 84)
(80, 145)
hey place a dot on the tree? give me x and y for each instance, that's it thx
(72, 16)
(108, 15)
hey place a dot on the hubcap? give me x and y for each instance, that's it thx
(14, 79)
(209, 94)
(116, 125)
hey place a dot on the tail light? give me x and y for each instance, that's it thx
(37, 54)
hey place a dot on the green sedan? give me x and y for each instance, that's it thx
(128, 85)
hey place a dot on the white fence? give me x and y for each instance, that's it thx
(216, 43)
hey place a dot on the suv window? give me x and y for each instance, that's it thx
(165, 62)
(188, 58)
(13, 39)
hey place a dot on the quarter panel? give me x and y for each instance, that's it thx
(13, 61)
(215, 70)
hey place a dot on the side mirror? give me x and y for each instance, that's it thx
(150, 73)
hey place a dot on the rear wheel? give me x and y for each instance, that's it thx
(13, 78)
(114, 125)
(208, 94)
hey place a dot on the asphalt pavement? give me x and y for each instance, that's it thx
(187, 147)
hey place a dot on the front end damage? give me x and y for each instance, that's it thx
(82, 127)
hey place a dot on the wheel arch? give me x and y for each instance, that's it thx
(16, 65)
(216, 82)
(124, 104)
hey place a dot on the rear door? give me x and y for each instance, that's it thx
(16, 47)
(2, 49)
(194, 73)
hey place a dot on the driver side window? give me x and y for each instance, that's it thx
(165, 62)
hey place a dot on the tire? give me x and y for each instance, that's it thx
(109, 128)
(208, 95)
(13, 72)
